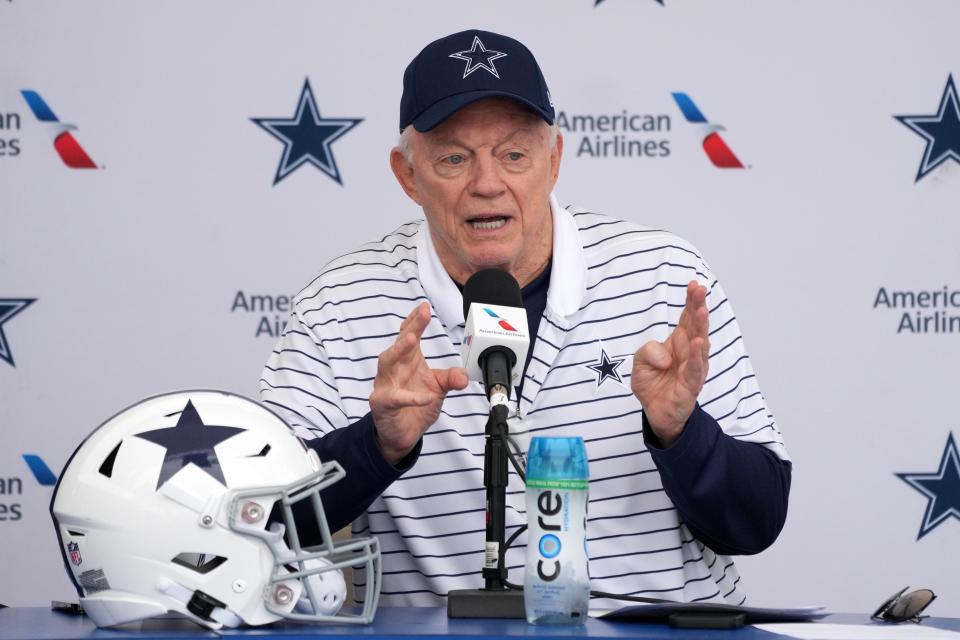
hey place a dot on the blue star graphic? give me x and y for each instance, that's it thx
(607, 367)
(941, 131)
(10, 307)
(482, 59)
(190, 442)
(307, 137)
(941, 488)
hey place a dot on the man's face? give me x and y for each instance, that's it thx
(483, 178)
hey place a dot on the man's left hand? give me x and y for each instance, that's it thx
(668, 376)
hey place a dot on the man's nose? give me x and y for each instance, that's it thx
(486, 180)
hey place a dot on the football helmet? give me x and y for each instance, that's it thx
(184, 503)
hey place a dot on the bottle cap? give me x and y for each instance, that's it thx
(557, 459)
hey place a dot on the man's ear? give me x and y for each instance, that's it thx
(555, 155)
(403, 170)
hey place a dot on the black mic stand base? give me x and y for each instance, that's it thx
(485, 603)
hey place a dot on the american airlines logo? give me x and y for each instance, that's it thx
(622, 134)
(503, 323)
(67, 146)
(922, 311)
(270, 310)
(11, 487)
(713, 144)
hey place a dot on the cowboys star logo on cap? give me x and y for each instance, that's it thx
(479, 59)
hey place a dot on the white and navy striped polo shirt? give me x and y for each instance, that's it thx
(614, 285)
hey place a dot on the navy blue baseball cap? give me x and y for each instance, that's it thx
(460, 69)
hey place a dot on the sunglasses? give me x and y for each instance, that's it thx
(904, 607)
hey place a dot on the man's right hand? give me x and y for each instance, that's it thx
(407, 393)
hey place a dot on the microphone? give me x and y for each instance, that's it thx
(495, 342)
(495, 337)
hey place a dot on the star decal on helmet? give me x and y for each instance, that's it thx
(479, 57)
(190, 442)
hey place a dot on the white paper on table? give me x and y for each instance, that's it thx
(821, 631)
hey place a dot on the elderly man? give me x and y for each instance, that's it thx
(687, 467)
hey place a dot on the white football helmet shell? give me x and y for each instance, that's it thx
(165, 508)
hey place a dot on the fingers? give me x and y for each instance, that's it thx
(393, 399)
(452, 379)
(694, 319)
(403, 346)
(695, 368)
(416, 321)
(695, 323)
(408, 338)
(653, 354)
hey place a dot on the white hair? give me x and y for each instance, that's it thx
(404, 143)
(406, 147)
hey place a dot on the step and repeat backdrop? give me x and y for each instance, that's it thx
(172, 173)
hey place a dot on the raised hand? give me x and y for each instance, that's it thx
(668, 376)
(407, 393)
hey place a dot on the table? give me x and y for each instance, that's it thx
(38, 623)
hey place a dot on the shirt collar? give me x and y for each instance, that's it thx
(567, 275)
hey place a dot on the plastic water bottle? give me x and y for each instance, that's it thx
(556, 584)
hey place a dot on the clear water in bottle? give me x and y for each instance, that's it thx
(556, 584)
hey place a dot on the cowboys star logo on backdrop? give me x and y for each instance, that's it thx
(941, 131)
(307, 137)
(9, 307)
(941, 488)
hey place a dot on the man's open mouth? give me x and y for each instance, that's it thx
(488, 223)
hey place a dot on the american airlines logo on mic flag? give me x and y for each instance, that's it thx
(486, 326)
(503, 323)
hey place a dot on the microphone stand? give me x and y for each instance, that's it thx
(494, 600)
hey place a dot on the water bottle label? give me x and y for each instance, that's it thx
(560, 483)
(557, 581)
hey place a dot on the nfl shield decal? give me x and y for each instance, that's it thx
(74, 550)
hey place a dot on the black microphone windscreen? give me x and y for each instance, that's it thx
(491, 286)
